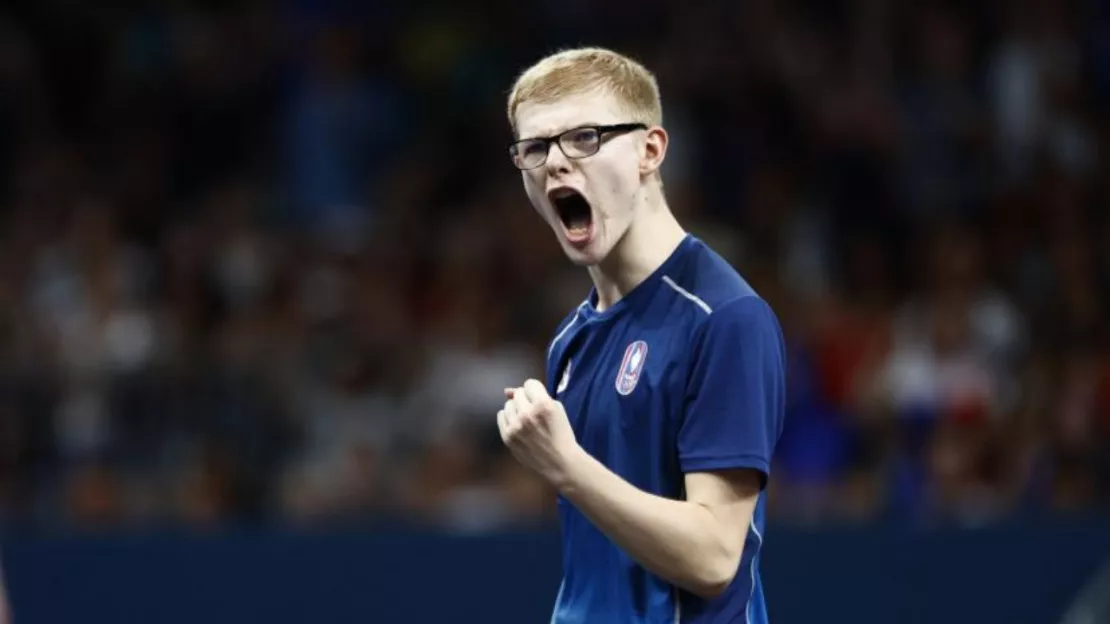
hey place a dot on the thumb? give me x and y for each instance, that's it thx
(536, 392)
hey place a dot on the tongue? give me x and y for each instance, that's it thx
(579, 227)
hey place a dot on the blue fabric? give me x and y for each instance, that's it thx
(685, 373)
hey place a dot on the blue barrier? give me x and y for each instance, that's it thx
(1014, 575)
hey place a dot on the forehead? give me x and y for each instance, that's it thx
(535, 119)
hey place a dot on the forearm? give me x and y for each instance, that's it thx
(679, 541)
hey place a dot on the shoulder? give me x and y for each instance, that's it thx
(724, 315)
(711, 285)
(741, 321)
(748, 315)
(740, 346)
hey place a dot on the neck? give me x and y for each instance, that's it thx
(651, 238)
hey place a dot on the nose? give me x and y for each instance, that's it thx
(557, 161)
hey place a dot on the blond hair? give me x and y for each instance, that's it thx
(585, 70)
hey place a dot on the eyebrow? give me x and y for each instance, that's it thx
(585, 124)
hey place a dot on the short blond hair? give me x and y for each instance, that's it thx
(584, 70)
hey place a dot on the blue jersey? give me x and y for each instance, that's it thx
(683, 374)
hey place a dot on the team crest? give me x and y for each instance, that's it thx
(631, 367)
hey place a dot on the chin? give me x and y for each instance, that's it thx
(581, 259)
(590, 255)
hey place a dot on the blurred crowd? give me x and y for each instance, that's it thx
(270, 263)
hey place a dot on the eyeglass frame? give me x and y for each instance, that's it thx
(601, 129)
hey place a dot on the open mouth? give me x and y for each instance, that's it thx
(575, 213)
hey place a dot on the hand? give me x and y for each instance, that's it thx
(536, 429)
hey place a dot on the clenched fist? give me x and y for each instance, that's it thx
(535, 428)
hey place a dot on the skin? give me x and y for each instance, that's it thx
(634, 230)
(695, 543)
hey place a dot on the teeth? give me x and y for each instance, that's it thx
(561, 193)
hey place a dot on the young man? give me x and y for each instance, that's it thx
(665, 388)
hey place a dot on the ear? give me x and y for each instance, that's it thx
(655, 150)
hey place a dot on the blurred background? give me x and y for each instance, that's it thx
(265, 269)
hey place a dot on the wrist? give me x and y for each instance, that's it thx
(568, 478)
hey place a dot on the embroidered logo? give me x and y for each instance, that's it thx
(631, 367)
(564, 380)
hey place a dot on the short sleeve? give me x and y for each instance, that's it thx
(736, 390)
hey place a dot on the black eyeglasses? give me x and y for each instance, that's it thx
(576, 143)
